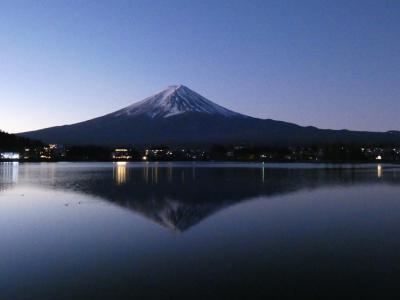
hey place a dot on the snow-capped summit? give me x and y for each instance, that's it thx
(175, 100)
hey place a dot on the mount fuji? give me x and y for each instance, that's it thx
(178, 116)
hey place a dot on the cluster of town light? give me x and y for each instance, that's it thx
(53, 151)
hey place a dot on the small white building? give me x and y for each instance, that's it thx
(9, 155)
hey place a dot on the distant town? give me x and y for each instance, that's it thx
(326, 153)
(15, 148)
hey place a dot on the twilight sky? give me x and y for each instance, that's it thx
(331, 64)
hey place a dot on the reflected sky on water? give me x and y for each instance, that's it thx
(101, 230)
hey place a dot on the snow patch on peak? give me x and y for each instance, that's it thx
(175, 100)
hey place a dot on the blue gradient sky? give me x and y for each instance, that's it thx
(331, 64)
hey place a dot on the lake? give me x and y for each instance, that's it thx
(198, 230)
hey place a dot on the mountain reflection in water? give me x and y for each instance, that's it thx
(180, 195)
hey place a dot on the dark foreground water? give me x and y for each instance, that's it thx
(186, 230)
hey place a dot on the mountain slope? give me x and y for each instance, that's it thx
(178, 116)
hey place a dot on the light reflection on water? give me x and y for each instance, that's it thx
(9, 172)
(150, 171)
(120, 172)
(188, 229)
(379, 171)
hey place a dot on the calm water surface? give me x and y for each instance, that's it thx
(198, 230)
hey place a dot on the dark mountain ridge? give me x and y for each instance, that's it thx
(12, 142)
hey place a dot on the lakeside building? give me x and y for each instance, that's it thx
(121, 154)
(9, 155)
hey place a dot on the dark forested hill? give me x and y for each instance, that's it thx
(12, 142)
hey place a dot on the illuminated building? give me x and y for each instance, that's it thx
(9, 155)
(121, 154)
